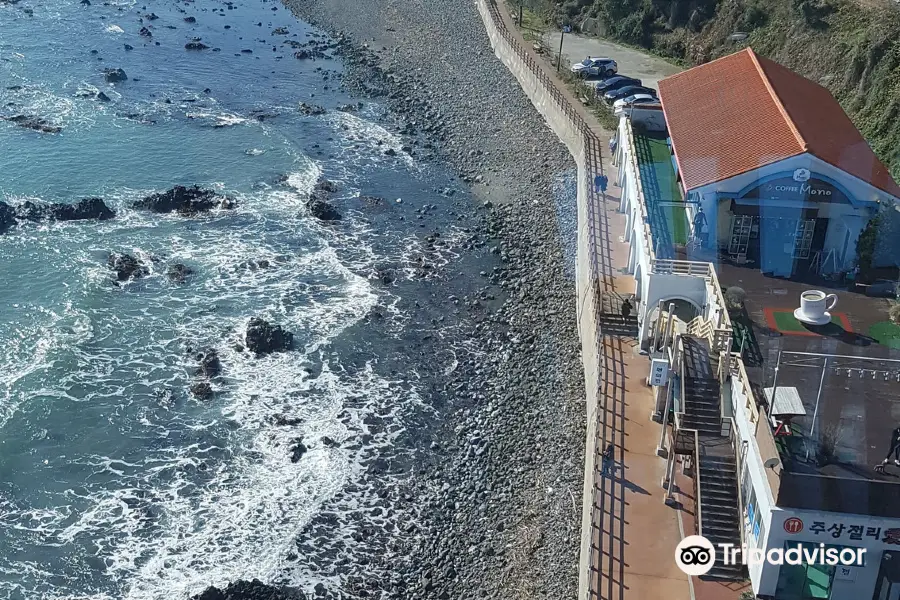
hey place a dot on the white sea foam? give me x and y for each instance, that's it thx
(372, 138)
(114, 29)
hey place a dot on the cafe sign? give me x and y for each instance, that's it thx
(799, 186)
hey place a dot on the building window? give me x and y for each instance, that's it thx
(803, 237)
(805, 582)
(741, 227)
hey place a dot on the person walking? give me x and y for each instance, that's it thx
(894, 449)
(608, 459)
(626, 309)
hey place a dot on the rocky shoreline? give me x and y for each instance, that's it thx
(492, 506)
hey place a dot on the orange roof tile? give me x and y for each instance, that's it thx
(743, 111)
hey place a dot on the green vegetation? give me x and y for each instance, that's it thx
(852, 47)
(886, 333)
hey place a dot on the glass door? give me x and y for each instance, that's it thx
(803, 237)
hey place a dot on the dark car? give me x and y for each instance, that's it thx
(615, 82)
(629, 90)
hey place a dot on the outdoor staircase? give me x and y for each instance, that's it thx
(720, 520)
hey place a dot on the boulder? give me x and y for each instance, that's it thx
(126, 266)
(190, 19)
(322, 210)
(129, 47)
(7, 217)
(311, 109)
(202, 390)
(151, 16)
(145, 32)
(115, 75)
(103, 97)
(184, 201)
(298, 449)
(195, 46)
(178, 273)
(264, 338)
(249, 590)
(210, 365)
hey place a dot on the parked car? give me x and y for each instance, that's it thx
(616, 82)
(595, 67)
(629, 90)
(635, 99)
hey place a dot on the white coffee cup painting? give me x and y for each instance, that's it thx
(815, 306)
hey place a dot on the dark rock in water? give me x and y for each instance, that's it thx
(246, 51)
(190, 19)
(325, 185)
(349, 107)
(249, 590)
(88, 208)
(318, 204)
(195, 46)
(280, 31)
(129, 47)
(103, 97)
(210, 365)
(328, 442)
(145, 32)
(390, 152)
(311, 109)
(7, 217)
(86, 2)
(263, 338)
(282, 421)
(386, 276)
(372, 200)
(202, 390)
(298, 449)
(179, 273)
(302, 54)
(35, 123)
(115, 75)
(151, 17)
(184, 201)
(14, 88)
(126, 266)
(322, 210)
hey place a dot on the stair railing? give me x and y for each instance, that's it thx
(697, 486)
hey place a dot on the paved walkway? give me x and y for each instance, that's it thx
(634, 532)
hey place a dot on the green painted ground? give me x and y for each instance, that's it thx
(668, 224)
(887, 333)
(785, 321)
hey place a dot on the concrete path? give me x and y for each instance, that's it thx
(649, 69)
(632, 531)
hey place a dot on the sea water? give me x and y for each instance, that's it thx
(114, 481)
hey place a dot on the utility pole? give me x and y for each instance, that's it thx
(565, 29)
(521, 4)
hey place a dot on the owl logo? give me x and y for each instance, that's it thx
(801, 175)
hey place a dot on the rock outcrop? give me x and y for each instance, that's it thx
(210, 365)
(179, 273)
(88, 208)
(264, 338)
(184, 201)
(318, 203)
(115, 75)
(126, 266)
(7, 217)
(35, 123)
(249, 590)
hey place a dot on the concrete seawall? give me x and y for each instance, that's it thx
(592, 272)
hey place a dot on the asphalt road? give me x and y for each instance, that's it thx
(649, 69)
